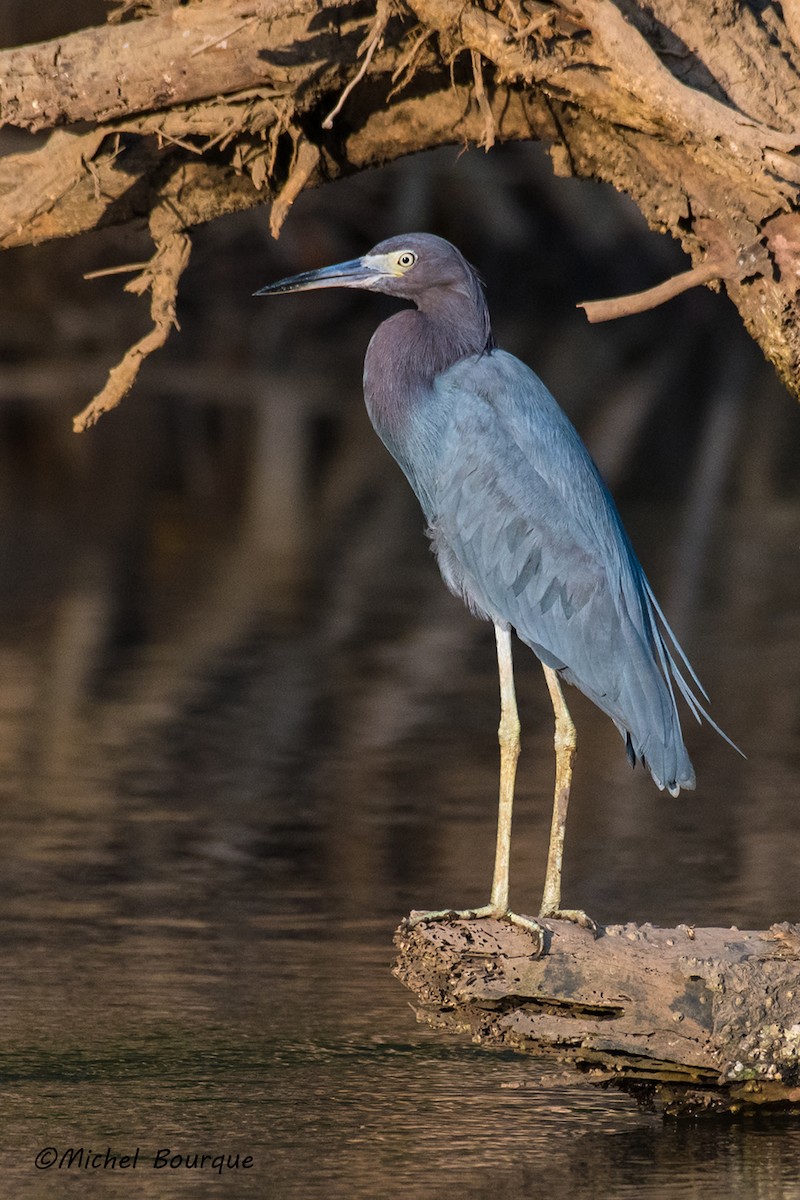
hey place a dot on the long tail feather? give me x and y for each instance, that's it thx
(661, 631)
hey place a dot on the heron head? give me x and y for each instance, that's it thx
(409, 265)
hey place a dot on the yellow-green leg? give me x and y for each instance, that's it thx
(508, 737)
(565, 742)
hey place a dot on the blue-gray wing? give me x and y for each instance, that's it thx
(526, 532)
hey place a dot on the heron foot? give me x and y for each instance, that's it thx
(576, 915)
(476, 914)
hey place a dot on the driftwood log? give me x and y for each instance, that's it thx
(689, 1020)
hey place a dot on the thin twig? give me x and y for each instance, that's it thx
(411, 52)
(405, 66)
(375, 35)
(86, 159)
(483, 101)
(625, 306)
(121, 270)
(223, 37)
(176, 141)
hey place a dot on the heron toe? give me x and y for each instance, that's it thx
(530, 924)
(576, 915)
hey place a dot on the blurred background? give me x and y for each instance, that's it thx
(244, 728)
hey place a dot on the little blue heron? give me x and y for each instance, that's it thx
(522, 525)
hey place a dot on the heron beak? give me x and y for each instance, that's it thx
(358, 273)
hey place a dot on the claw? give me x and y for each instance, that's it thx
(576, 915)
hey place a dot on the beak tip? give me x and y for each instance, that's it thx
(355, 273)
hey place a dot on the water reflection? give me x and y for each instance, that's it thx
(200, 882)
(265, 1037)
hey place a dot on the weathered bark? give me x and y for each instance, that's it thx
(204, 109)
(189, 53)
(698, 1019)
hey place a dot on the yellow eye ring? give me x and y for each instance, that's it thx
(406, 259)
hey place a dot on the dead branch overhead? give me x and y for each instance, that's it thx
(187, 54)
(208, 108)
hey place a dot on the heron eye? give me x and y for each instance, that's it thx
(406, 259)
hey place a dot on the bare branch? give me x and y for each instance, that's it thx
(188, 54)
(637, 302)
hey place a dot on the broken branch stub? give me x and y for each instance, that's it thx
(637, 302)
(721, 264)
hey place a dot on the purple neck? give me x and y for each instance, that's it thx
(412, 348)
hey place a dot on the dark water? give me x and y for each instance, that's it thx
(210, 830)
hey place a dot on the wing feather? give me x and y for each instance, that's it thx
(526, 531)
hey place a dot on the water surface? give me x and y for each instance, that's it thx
(210, 831)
